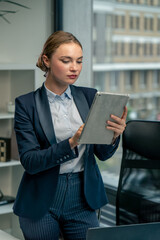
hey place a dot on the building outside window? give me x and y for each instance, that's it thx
(129, 80)
(156, 79)
(143, 80)
(158, 49)
(132, 65)
(114, 81)
(158, 23)
(148, 19)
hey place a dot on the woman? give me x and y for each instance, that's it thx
(61, 187)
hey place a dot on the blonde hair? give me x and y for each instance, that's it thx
(52, 43)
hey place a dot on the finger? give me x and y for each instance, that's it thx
(117, 120)
(117, 131)
(119, 125)
(82, 125)
(81, 128)
(79, 131)
(116, 127)
(119, 128)
(124, 115)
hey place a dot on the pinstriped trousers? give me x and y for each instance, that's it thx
(69, 214)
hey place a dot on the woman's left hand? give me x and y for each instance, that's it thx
(119, 124)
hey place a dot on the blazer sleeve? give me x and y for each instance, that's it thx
(34, 157)
(104, 151)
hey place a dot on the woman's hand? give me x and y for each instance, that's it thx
(73, 141)
(119, 124)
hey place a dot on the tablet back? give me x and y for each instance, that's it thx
(104, 104)
(148, 231)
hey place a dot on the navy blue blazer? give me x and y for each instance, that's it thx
(41, 155)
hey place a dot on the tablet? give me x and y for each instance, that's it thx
(104, 104)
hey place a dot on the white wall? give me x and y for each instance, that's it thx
(21, 41)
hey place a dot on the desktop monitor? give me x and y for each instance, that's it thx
(148, 231)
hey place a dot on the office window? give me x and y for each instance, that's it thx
(128, 84)
(140, 48)
(158, 24)
(115, 49)
(122, 22)
(134, 21)
(145, 2)
(142, 105)
(156, 101)
(131, 22)
(122, 48)
(116, 23)
(152, 2)
(138, 23)
(143, 80)
(148, 23)
(119, 20)
(129, 80)
(144, 49)
(131, 49)
(99, 80)
(136, 48)
(156, 79)
(158, 49)
(151, 24)
(150, 49)
(114, 81)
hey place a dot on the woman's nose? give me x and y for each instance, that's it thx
(73, 67)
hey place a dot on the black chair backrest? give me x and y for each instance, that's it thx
(138, 195)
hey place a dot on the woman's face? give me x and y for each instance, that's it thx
(65, 64)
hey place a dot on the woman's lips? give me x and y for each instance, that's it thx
(72, 76)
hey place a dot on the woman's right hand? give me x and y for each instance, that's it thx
(73, 141)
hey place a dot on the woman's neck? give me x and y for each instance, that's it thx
(56, 88)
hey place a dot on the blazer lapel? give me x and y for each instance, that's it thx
(80, 101)
(44, 114)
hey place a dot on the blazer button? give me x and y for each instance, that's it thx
(57, 161)
(67, 156)
(61, 160)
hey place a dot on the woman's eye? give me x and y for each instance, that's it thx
(79, 62)
(65, 61)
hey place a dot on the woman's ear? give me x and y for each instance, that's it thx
(46, 61)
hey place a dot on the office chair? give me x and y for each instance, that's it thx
(138, 193)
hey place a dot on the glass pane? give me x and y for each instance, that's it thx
(127, 49)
